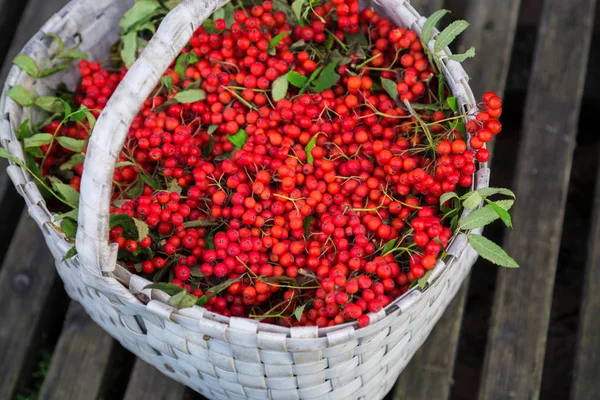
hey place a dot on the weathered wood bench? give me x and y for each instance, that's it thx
(50, 349)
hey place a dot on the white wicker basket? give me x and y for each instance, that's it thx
(222, 358)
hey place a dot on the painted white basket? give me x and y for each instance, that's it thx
(222, 358)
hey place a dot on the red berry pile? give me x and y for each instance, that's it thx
(276, 174)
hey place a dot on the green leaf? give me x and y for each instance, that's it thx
(150, 182)
(298, 312)
(215, 291)
(142, 229)
(472, 201)
(59, 42)
(36, 152)
(448, 35)
(452, 103)
(306, 225)
(50, 104)
(69, 228)
(282, 5)
(327, 78)
(70, 254)
(432, 21)
(390, 87)
(424, 280)
(195, 272)
(181, 64)
(174, 187)
(280, 88)
(441, 87)
(296, 79)
(208, 149)
(79, 115)
(167, 82)
(277, 39)
(487, 192)
(462, 57)
(74, 145)
(219, 14)
(199, 223)
(74, 54)
(239, 139)
(24, 131)
(37, 140)
(21, 95)
(73, 161)
(46, 72)
(5, 154)
(69, 194)
(448, 196)
(190, 96)
(168, 288)
(308, 149)
(211, 129)
(183, 299)
(136, 190)
(140, 11)
(298, 44)
(389, 246)
(129, 50)
(297, 9)
(73, 214)
(491, 251)
(502, 213)
(358, 38)
(484, 216)
(27, 64)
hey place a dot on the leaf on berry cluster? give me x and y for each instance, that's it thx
(487, 192)
(340, 59)
(327, 78)
(472, 201)
(452, 103)
(298, 44)
(239, 139)
(297, 9)
(390, 87)
(357, 38)
(208, 149)
(37, 140)
(66, 192)
(69, 228)
(196, 273)
(462, 57)
(389, 246)
(296, 79)
(168, 288)
(273, 43)
(142, 228)
(21, 95)
(298, 311)
(283, 6)
(211, 129)
(502, 213)
(70, 254)
(183, 299)
(306, 225)
(429, 25)
(280, 88)
(136, 190)
(484, 216)
(23, 131)
(447, 36)
(46, 72)
(309, 148)
(423, 281)
(209, 241)
(190, 96)
(448, 196)
(50, 103)
(129, 50)
(181, 64)
(212, 292)
(150, 182)
(139, 13)
(72, 144)
(27, 64)
(174, 187)
(198, 223)
(491, 251)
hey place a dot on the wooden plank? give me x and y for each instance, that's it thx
(146, 382)
(35, 15)
(429, 375)
(520, 316)
(27, 299)
(586, 384)
(80, 359)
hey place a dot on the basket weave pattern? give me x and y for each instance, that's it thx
(220, 357)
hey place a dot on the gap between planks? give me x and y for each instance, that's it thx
(522, 302)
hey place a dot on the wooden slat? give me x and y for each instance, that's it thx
(80, 359)
(429, 375)
(27, 299)
(146, 382)
(586, 385)
(520, 316)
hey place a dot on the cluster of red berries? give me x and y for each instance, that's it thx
(315, 209)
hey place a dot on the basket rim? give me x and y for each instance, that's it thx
(406, 16)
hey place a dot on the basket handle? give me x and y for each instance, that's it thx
(112, 128)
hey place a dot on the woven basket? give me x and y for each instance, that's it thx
(220, 357)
